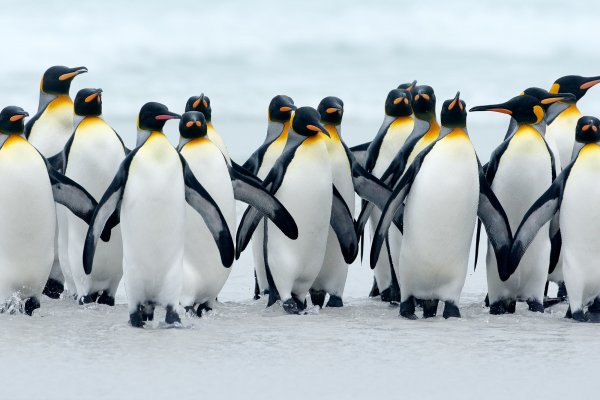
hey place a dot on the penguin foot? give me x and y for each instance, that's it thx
(299, 303)
(273, 297)
(266, 292)
(85, 299)
(569, 315)
(290, 306)
(107, 299)
(430, 308)
(535, 306)
(497, 308)
(147, 312)
(394, 293)
(190, 310)
(487, 300)
(201, 308)
(562, 291)
(135, 318)
(407, 308)
(256, 287)
(593, 317)
(32, 303)
(511, 307)
(335, 301)
(317, 297)
(386, 295)
(451, 310)
(580, 316)
(374, 289)
(172, 317)
(594, 308)
(53, 288)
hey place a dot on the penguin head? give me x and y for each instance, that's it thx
(547, 98)
(57, 79)
(12, 120)
(307, 122)
(331, 109)
(88, 102)
(280, 108)
(153, 116)
(398, 103)
(524, 109)
(192, 125)
(410, 86)
(200, 103)
(587, 130)
(423, 102)
(454, 113)
(574, 84)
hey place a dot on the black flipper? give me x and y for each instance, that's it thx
(496, 224)
(542, 211)
(395, 203)
(203, 203)
(108, 209)
(57, 162)
(71, 195)
(477, 237)
(555, 242)
(343, 225)
(360, 153)
(250, 190)
(33, 120)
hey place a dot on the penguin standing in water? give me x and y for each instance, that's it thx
(30, 187)
(302, 180)
(204, 273)
(523, 165)
(202, 104)
(444, 190)
(48, 131)
(92, 157)
(147, 196)
(260, 163)
(332, 277)
(561, 127)
(570, 196)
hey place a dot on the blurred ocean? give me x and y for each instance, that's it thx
(242, 53)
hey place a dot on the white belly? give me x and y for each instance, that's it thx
(28, 220)
(54, 127)
(203, 273)
(94, 159)
(562, 133)
(152, 224)
(439, 219)
(525, 169)
(214, 137)
(580, 229)
(306, 193)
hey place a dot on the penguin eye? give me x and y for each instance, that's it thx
(189, 124)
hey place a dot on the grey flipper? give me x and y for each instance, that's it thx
(251, 218)
(512, 128)
(360, 152)
(373, 148)
(250, 190)
(57, 162)
(203, 203)
(496, 224)
(395, 203)
(70, 194)
(343, 225)
(107, 214)
(542, 211)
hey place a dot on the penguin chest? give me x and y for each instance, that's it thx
(271, 155)
(340, 169)
(203, 271)
(54, 127)
(440, 212)
(393, 140)
(153, 207)
(524, 173)
(579, 214)
(429, 137)
(562, 132)
(214, 137)
(28, 218)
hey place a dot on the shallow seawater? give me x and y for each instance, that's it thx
(241, 54)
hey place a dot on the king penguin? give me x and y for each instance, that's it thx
(202, 104)
(203, 271)
(570, 196)
(92, 157)
(147, 196)
(30, 187)
(522, 164)
(48, 131)
(443, 190)
(302, 180)
(561, 128)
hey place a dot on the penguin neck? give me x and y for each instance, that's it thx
(47, 98)
(555, 109)
(334, 131)
(276, 129)
(445, 131)
(143, 135)
(576, 149)
(293, 140)
(78, 118)
(4, 137)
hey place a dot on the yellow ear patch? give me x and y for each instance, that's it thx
(189, 124)
(555, 88)
(539, 113)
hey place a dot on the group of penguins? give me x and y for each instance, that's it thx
(80, 210)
